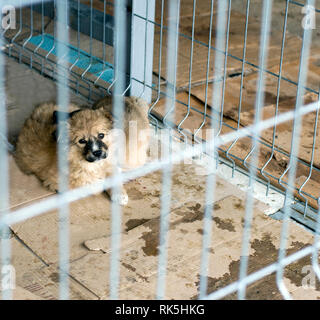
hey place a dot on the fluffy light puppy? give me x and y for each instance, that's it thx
(92, 145)
(136, 129)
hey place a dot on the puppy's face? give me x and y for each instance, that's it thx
(89, 133)
(92, 145)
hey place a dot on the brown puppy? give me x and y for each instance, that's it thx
(92, 144)
(135, 126)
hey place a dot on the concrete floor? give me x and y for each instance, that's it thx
(34, 242)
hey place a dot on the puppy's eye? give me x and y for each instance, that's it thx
(82, 141)
(100, 135)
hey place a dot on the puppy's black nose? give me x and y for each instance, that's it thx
(97, 153)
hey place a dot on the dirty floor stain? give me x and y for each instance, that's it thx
(266, 288)
(135, 194)
(224, 224)
(133, 223)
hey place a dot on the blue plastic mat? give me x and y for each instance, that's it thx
(79, 58)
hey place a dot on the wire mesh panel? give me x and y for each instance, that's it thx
(235, 86)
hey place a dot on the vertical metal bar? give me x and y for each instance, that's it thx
(54, 33)
(120, 59)
(42, 29)
(103, 43)
(225, 68)
(207, 71)
(90, 41)
(278, 97)
(241, 84)
(315, 254)
(159, 68)
(221, 29)
(78, 46)
(31, 33)
(142, 35)
(4, 181)
(172, 53)
(63, 145)
(190, 71)
(295, 143)
(19, 31)
(145, 49)
(104, 32)
(42, 34)
(264, 47)
(315, 129)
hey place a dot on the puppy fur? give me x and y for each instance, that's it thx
(135, 126)
(92, 144)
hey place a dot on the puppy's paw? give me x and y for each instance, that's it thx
(50, 186)
(120, 198)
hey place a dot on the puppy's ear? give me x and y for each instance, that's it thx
(71, 114)
(58, 115)
(63, 116)
(105, 102)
